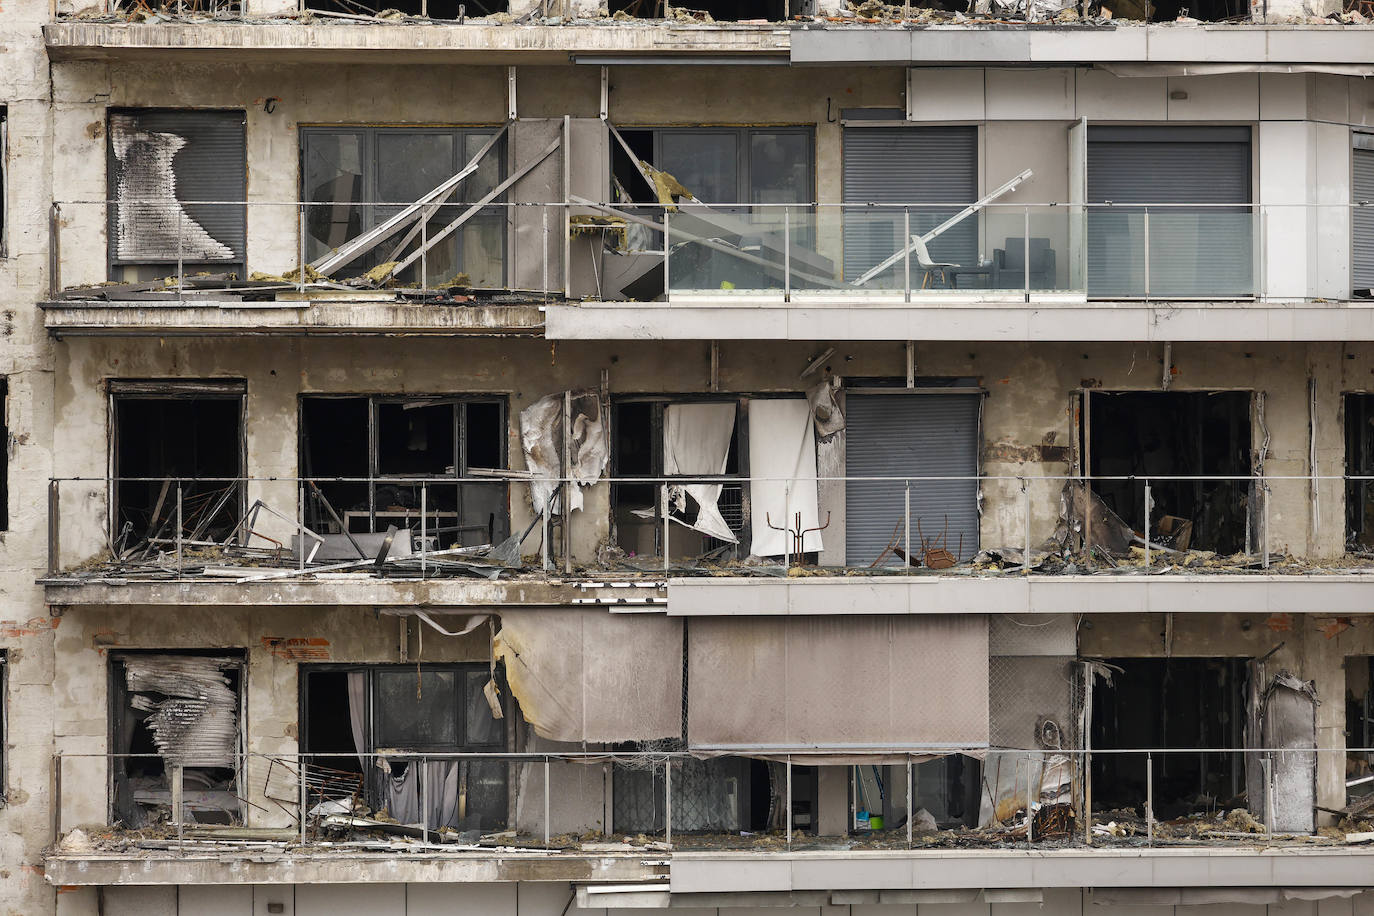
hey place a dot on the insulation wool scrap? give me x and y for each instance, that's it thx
(193, 711)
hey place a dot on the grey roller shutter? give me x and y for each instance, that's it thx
(1362, 189)
(907, 165)
(896, 434)
(1193, 252)
(161, 163)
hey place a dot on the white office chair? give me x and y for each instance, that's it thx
(929, 267)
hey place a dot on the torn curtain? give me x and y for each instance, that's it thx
(696, 441)
(587, 675)
(833, 683)
(782, 468)
(541, 440)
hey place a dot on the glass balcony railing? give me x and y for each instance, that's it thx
(834, 253)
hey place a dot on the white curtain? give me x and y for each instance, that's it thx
(696, 441)
(357, 711)
(782, 465)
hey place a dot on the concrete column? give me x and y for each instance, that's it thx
(832, 793)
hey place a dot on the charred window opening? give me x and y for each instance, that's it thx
(1359, 462)
(1169, 10)
(178, 182)
(173, 712)
(399, 712)
(387, 450)
(170, 435)
(1171, 703)
(1157, 434)
(719, 795)
(714, 10)
(643, 445)
(944, 792)
(358, 177)
(1359, 728)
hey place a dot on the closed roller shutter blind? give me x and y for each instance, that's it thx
(907, 165)
(922, 434)
(1192, 252)
(1362, 189)
(160, 161)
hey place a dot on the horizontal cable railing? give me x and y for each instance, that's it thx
(254, 528)
(306, 800)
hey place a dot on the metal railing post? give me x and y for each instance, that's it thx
(181, 265)
(300, 524)
(906, 255)
(544, 276)
(1026, 557)
(300, 250)
(178, 802)
(424, 252)
(424, 799)
(1267, 765)
(667, 247)
(1264, 522)
(906, 516)
(55, 248)
(788, 808)
(786, 254)
(305, 794)
(1147, 522)
(56, 796)
(668, 800)
(424, 527)
(1147, 252)
(667, 526)
(1149, 799)
(910, 802)
(1030, 798)
(54, 526)
(178, 539)
(547, 769)
(1088, 793)
(1025, 263)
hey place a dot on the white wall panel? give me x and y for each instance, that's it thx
(1230, 97)
(216, 900)
(350, 900)
(140, 901)
(1030, 95)
(1104, 97)
(935, 94)
(461, 899)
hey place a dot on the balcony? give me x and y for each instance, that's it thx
(401, 541)
(674, 833)
(585, 270)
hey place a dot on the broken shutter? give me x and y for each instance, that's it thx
(1193, 251)
(161, 164)
(836, 686)
(908, 166)
(593, 676)
(894, 434)
(1362, 189)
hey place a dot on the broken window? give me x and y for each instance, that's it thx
(400, 712)
(1171, 703)
(656, 437)
(1200, 242)
(1359, 462)
(1190, 434)
(944, 794)
(370, 455)
(746, 176)
(170, 435)
(358, 177)
(176, 711)
(1362, 219)
(178, 182)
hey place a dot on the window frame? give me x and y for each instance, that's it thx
(116, 265)
(374, 477)
(370, 203)
(4, 193)
(743, 154)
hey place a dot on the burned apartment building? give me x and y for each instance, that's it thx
(559, 458)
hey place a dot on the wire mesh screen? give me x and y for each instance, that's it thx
(708, 796)
(1034, 702)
